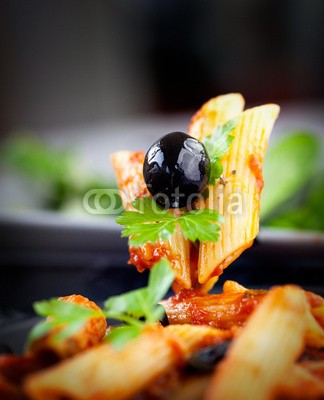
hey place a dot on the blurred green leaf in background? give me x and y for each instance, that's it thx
(56, 169)
(293, 193)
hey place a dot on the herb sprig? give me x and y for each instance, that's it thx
(135, 309)
(151, 223)
(217, 144)
(139, 307)
(68, 318)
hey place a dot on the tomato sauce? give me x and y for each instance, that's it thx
(256, 168)
(146, 256)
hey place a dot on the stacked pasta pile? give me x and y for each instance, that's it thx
(274, 338)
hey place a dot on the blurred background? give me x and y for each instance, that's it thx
(89, 78)
(80, 79)
(67, 63)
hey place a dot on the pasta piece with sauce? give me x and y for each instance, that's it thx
(266, 350)
(236, 195)
(100, 373)
(129, 172)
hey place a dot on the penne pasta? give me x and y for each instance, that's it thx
(128, 166)
(129, 172)
(215, 111)
(314, 331)
(222, 311)
(241, 344)
(267, 348)
(105, 372)
(301, 383)
(237, 194)
(192, 388)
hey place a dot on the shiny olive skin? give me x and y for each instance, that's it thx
(176, 170)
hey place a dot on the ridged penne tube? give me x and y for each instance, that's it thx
(128, 167)
(302, 382)
(221, 311)
(314, 331)
(192, 338)
(266, 349)
(236, 195)
(318, 313)
(105, 372)
(215, 111)
(129, 172)
(192, 388)
(233, 307)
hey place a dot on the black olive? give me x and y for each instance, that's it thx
(204, 360)
(5, 349)
(176, 170)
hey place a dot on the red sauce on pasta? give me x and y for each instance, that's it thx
(146, 256)
(256, 168)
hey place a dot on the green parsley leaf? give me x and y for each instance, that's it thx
(66, 316)
(140, 303)
(129, 307)
(121, 335)
(151, 223)
(160, 280)
(216, 171)
(201, 225)
(139, 307)
(135, 308)
(217, 144)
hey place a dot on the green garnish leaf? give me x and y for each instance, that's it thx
(151, 223)
(139, 304)
(216, 171)
(160, 280)
(121, 335)
(139, 307)
(135, 309)
(217, 144)
(68, 317)
(202, 225)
